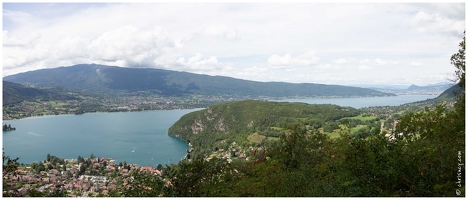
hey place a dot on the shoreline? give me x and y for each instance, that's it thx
(280, 99)
(99, 112)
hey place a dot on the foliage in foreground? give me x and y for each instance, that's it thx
(422, 161)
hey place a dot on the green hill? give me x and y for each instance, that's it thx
(15, 93)
(147, 81)
(449, 93)
(250, 123)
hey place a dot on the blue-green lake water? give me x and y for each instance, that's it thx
(135, 137)
(367, 101)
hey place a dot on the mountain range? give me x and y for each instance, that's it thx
(436, 88)
(112, 80)
(433, 87)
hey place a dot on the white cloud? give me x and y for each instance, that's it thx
(127, 46)
(199, 64)
(17, 17)
(325, 66)
(254, 71)
(25, 41)
(380, 62)
(24, 52)
(364, 67)
(306, 59)
(416, 64)
(130, 45)
(436, 23)
(343, 61)
(222, 31)
(276, 60)
(365, 61)
(72, 47)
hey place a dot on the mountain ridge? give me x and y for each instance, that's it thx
(149, 81)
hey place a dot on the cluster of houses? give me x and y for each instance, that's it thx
(85, 185)
(233, 151)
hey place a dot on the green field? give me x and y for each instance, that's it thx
(356, 129)
(362, 118)
(334, 134)
(256, 138)
(273, 138)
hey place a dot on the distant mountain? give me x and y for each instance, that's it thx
(16, 93)
(383, 87)
(434, 87)
(145, 81)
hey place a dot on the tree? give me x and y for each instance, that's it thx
(144, 185)
(34, 193)
(458, 59)
(58, 193)
(11, 164)
(159, 167)
(80, 159)
(299, 147)
(82, 169)
(40, 167)
(199, 178)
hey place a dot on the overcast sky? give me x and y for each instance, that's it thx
(330, 43)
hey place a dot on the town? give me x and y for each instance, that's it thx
(93, 176)
(82, 177)
(100, 104)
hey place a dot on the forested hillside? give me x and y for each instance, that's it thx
(16, 93)
(250, 123)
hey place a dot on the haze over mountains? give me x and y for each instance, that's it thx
(432, 89)
(113, 80)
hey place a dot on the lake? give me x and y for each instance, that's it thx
(135, 137)
(366, 101)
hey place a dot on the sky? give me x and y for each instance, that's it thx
(303, 42)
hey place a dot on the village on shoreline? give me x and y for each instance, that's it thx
(82, 177)
(93, 176)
